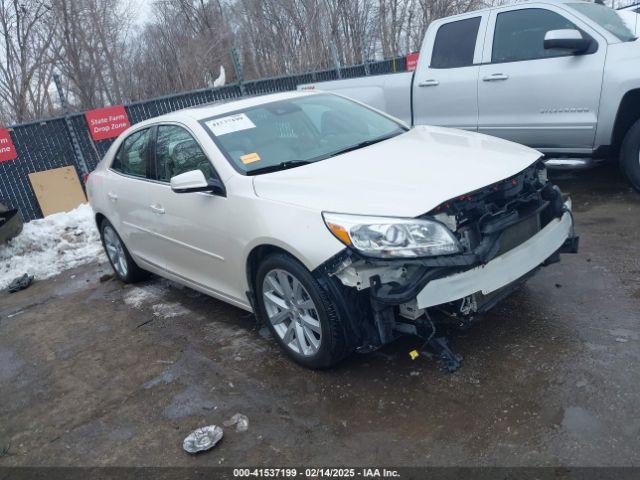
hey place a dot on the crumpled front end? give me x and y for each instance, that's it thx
(507, 230)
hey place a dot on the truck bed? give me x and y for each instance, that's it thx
(390, 93)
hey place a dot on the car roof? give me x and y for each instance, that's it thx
(213, 109)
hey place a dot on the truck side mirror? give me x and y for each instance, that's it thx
(566, 39)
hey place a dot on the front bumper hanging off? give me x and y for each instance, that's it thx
(382, 299)
(502, 270)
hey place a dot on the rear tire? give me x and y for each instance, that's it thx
(300, 314)
(119, 257)
(630, 155)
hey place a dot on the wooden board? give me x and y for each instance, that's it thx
(57, 190)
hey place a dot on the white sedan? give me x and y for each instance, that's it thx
(336, 224)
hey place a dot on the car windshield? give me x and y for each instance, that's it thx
(614, 21)
(287, 133)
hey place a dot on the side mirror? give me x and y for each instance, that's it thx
(567, 39)
(195, 181)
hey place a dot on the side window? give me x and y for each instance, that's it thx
(133, 156)
(455, 44)
(519, 34)
(177, 152)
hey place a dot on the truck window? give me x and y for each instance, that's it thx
(455, 44)
(607, 18)
(519, 34)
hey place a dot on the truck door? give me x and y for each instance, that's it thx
(445, 88)
(546, 99)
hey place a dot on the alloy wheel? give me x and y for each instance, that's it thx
(292, 312)
(115, 251)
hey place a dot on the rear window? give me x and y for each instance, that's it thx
(133, 156)
(455, 44)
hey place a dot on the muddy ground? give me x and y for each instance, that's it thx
(100, 373)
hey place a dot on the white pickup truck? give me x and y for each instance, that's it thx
(561, 76)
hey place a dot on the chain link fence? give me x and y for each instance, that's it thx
(47, 144)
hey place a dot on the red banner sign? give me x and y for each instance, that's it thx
(108, 122)
(412, 61)
(7, 150)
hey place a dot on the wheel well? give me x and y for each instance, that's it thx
(628, 114)
(253, 260)
(99, 218)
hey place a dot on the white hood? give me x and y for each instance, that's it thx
(405, 176)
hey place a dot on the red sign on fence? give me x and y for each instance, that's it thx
(108, 122)
(7, 150)
(412, 61)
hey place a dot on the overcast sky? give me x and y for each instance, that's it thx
(143, 10)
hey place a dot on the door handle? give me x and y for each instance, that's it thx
(157, 209)
(112, 196)
(429, 83)
(495, 77)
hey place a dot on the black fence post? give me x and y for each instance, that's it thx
(238, 68)
(80, 160)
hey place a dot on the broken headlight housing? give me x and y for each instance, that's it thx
(388, 237)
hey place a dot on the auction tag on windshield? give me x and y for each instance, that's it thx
(230, 124)
(249, 158)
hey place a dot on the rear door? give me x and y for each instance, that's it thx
(546, 99)
(127, 191)
(445, 84)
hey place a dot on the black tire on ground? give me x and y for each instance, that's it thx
(133, 272)
(630, 155)
(334, 344)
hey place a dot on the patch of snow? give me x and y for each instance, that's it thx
(169, 310)
(138, 296)
(51, 245)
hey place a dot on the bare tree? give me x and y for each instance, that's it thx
(104, 57)
(25, 62)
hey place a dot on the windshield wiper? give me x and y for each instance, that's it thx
(279, 166)
(366, 143)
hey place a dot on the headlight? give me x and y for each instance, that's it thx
(388, 237)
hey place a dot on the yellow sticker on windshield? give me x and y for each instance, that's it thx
(249, 158)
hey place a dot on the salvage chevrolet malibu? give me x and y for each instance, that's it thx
(337, 225)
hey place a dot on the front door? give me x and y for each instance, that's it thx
(445, 84)
(546, 99)
(190, 228)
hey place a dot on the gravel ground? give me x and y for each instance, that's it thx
(98, 373)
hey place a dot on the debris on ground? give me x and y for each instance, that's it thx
(202, 439)
(106, 277)
(20, 283)
(240, 421)
(51, 245)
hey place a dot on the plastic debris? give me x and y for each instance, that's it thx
(202, 439)
(20, 283)
(414, 354)
(240, 421)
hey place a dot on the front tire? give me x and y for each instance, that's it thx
(119, 257)
(630, 155)
(300, 314)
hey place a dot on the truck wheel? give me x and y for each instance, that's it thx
(300, 314)
(630, 155)
(119, 258)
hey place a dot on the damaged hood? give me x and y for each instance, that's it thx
(405, 176)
